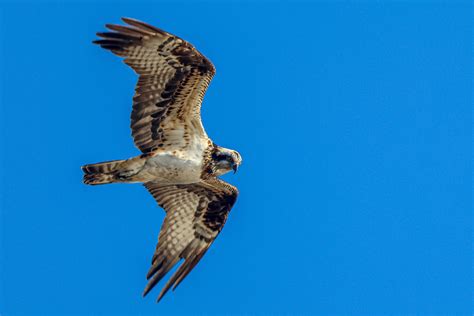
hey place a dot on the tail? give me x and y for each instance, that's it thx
(102, 172)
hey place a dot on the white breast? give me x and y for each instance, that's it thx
(176, 167)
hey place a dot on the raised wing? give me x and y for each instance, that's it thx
(195, 214)
(173, 77)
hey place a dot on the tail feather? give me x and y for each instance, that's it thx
(102, 172)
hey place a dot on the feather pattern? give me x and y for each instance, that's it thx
(173, 78)
(195, 214)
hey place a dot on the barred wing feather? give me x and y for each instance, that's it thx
(173, 78)
(195, 214)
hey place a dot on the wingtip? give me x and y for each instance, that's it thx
(133, 22)
(143, 26)
(127, 19)
(111, 26)
(102, 34)
(146, 291)
(160, 296)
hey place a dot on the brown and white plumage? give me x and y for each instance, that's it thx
(173, 77)
(179, 164)
(195, 214)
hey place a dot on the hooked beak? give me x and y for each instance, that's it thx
(235, 167)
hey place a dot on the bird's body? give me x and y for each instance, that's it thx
(161, 166)
(179, 164)
(172, 168)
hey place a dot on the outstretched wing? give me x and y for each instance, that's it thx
(195, 214)
(173, 77)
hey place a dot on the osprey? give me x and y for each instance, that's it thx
(179, 164)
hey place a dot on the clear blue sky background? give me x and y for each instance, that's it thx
(354, 121)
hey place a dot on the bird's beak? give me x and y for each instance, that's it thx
(235, 167)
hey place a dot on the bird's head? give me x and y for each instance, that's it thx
(225, 160)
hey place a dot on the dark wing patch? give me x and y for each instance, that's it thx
(173, 77)
(195, 214)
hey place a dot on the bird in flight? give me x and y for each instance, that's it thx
(179, 164)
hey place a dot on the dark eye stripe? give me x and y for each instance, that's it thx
(221, 157)
(225, 157)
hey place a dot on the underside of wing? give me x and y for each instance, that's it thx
(195, 214)
(173, 77)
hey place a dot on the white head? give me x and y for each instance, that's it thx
(225, 160)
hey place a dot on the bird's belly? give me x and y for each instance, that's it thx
(169, 169)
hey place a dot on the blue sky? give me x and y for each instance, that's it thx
(354, 122)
